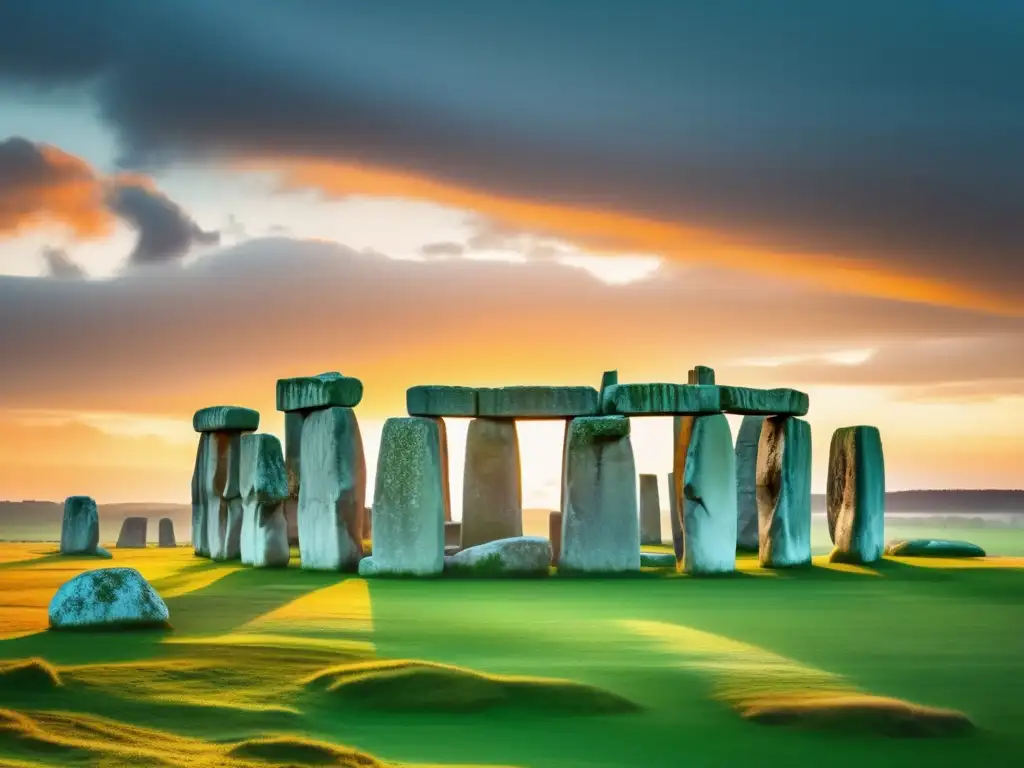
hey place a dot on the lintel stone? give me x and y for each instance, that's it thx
(661, 399)
(441, 400)
(325, 390)
(226, 418)
(745, 401)
(537, 402)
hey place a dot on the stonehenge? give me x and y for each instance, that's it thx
(165, 533)
(254, 499)
(80, 527)
(133, 533)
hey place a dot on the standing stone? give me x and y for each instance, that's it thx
(408, 501)
(219, 479)
(293, 465)
(704, 461)
(608, 379)
(565, 453)
(166, 533)
(367, 523)
(855, 495)
(673, 516)
(133, 533)
(555, 535)
(453, 533)
(600, 529)
(784, 492)
(442, 436)
(200, 545)
(747, 440)
(263, 482)
(701, 374)
(80, 528)
(492, 502)
(332, 496)
(650, 510)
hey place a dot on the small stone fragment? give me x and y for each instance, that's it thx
(650, 510)
(555, 535)
(106, 598)
(660, 399)
(80, 528)
(600, 529)
(608, 379)
(657, 560)
(701, 374)
(764, 402)
(439, 400)
(492, 505)
(325, 390)
(332, 497)
(453, 533)
(746, 483)
(263, 482)
(855, 494)
(408, 502)
(226, 418)
(537, 402)
(933, 548)
(166, 533)
(133, 533)
(784, 492)
(519, 556)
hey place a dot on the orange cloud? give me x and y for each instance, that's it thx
(609, 231)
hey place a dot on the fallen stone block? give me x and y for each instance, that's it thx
(855, 494)
(325, 390)
(226, 418)
(657, 560)
(660, 399)
(764, 402)
(747, 440)
(165, 532)
(784, 492)
(537, 402)
(408, 501)
(332, 497)
(492, 503)
(451, 549)
(650, 510)
(80, 528)
(933, 548)
(704, 460)
(519, 556)
(107, 598)
(600, 526)
(263, 481)
(438, 400)
(133, 533)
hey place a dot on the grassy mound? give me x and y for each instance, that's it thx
(410, 685)
(29, 675)
(287, 750)
(874, 715)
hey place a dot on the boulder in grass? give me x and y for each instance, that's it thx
(519, 556)
(80, 529)
(107, 598)
(933, 548)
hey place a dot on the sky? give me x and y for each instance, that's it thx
(197, 199)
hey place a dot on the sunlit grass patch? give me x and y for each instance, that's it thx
(29, 675)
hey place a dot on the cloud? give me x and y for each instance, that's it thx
(61, 266)
(41, 185)
(442, 250)
(847, 149)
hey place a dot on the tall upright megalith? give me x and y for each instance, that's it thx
(293, 465)
(332, 496)
(80, 527)
(133, 533)
(747, 440)
(600, 529)
(675, 524)
(263, 482)
(650, 510)
(408, 501)
(492, 503)
(704, 468)
(783, 492)
(165, 533)
(855, 494)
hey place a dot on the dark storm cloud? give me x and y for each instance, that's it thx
(872, 130)
(60, 265)
(166, 232)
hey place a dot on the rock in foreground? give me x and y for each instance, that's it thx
(80, 530)
(107, 598)
(519, 556)
(933, 548)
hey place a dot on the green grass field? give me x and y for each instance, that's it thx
(291, 668)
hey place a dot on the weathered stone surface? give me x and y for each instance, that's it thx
(216, 522)
(332, 496)
(453, 533)
(650, 510)
(367, 523)
(855, 494)
(657, 560)
(704, 460)
(293, 466)
(673, 516)
(492, 505)
(439, 400)
(226, 418)
(80, 528)
(701, 374)
(933, 548)
(107, 597)
(263, 481)
(747, 440)
(660, 399)
(165, 533)
(224, 528)
(537, 402)
(442, 438)
(600, 529)
(325, 390)
(555, 535)
(565, 453)
(784, 492)
(519, 556)
(199, 543)
(608, 379)
(408, 501)
(133, 533)
(764, 402)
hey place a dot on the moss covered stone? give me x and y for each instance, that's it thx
(537, 402)
(325, 390)
(226, 418)
(764, 402)
(933, 548)
(518, 556)
(659, 399)
(107, 598)
(441, 400)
